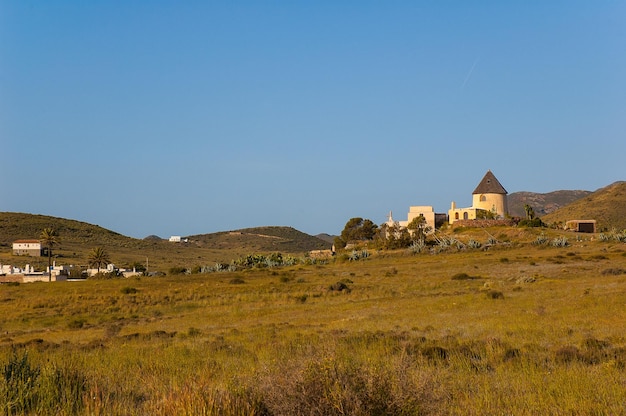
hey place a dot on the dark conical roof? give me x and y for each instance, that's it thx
(489, 185)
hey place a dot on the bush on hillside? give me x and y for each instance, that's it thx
(535, 222)
(177, 270)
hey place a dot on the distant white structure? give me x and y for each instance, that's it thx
(111, 268)
(177, 239)
(28, 274)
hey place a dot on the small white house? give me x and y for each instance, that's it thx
(175, 239)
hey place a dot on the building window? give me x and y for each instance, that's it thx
(456, 215)
(483, 198)
(465, 215)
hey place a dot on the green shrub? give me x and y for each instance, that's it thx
(535, 222)
(464, 276)
(177, 270)
(494, 294)
(391, 272)
(613, 271)
(339, 287)
(76, 323)
(193, 332)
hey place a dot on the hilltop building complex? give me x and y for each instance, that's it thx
(489, 201)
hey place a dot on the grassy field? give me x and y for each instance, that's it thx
(518, 328)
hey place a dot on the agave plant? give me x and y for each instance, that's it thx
(474, 244)
(417, 246)
(560, 242)
(354, 255)
(540, 240)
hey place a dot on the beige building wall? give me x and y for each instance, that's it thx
(415, 211)
(496, 203)
(456, 214)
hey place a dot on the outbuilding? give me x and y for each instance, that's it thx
(581, 226)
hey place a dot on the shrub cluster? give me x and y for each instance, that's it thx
(619, 237)
(464, 276)
(258, 261)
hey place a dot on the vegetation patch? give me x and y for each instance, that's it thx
(340, 287)
(614, 271)
(465, 276)
(494, 294)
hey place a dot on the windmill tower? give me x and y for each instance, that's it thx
(490, 195)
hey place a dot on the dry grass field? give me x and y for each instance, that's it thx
(515, 328)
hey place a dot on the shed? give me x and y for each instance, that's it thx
(581, 226)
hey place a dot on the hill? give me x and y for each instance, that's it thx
(260, 239)
(14, 226)
(326, 237)
(542, 204)
(77, 239)
(606, 205)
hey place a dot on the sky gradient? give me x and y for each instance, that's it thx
(181, 118)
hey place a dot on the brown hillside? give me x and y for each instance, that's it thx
(542, 204)
(261, 239)
(606, 205)
(77, 239)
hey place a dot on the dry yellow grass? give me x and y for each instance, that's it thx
(538, 330)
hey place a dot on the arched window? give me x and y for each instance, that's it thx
(465, 216)
(456, 215)
(483, 198)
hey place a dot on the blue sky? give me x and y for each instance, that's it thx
(180, 118)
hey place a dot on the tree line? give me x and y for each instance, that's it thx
(389, 236)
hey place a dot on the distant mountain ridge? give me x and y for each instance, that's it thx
(542, 204)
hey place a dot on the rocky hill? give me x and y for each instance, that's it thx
(606, 205)
(542, 204)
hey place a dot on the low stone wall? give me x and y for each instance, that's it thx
(321, 254)
(11, 278)
(484, 223)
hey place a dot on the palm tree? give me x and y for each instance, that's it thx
(49, 238)
(99, 257)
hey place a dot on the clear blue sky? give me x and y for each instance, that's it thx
(180, 118)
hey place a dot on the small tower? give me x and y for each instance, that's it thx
(490, 195)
